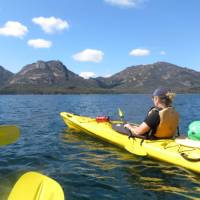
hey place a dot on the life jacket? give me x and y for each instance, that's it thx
(169, 120)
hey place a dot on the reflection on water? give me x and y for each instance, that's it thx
(154, 179)
(170, 179)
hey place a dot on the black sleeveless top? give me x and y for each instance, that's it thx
(152, 120)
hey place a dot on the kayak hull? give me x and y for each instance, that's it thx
(164, 149)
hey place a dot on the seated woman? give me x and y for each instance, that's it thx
(162, 120)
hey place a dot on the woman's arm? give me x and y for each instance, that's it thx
(138, 130)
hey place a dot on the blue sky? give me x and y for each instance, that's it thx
(99, 37)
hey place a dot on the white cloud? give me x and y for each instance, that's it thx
(163, 53)
(140, 52)
(39, 43)
(51, 24)
(107, 75)
(89, 55)
(124, 3)
(87, 75)
(13, 28)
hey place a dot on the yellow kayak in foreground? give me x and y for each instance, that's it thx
(165, 149)
(35, 186)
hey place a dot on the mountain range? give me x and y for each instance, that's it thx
(53, 77)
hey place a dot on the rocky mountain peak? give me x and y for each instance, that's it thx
(145, 78)
(42, 72)
(47, 77)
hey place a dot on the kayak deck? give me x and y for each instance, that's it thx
(165, 149)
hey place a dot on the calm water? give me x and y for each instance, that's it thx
(87, 168)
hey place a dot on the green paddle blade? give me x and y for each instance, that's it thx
(120, 113)
(35, 186)
(194, 131)
(8, 134)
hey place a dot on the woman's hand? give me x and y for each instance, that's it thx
(128, 126)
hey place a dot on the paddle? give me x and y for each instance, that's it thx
(134, 145)
(35, 186)
(8, 134)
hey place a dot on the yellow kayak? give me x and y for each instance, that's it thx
(164, 149)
